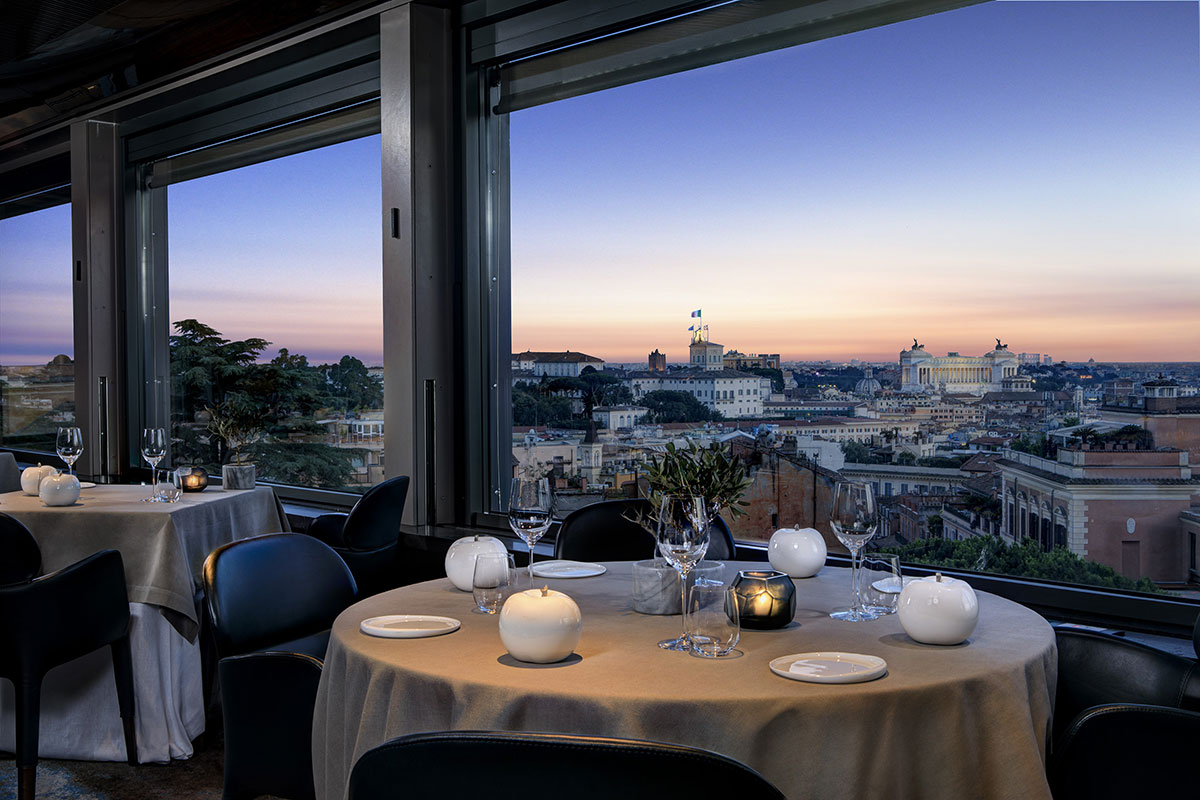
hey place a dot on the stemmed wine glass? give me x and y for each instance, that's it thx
(529, 512)
(154, 449)
(69, 446)
(682, 536)
(855, 518)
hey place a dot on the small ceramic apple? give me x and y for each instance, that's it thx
(59, 489)
(800, 552)
(540, 625)
(938, 610)
(31, 478)
(460, 559)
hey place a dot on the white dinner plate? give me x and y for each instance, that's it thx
(408, 626)
(86, 485)
(567, 569)
(829, 667)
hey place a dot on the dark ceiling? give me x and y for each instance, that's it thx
(57, 57)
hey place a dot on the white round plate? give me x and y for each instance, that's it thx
(408, 626)
(829, 667)
(86, 485)
(567, 569)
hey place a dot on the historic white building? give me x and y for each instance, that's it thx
(556, 365)
(922, 372)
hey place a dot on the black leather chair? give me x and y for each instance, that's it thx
(512, 765)
(54, 619)
(368, 538)
(607, 531)
(271, 601)
(1120, 751)
(1097, 669)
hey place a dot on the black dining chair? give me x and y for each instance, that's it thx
(610, 531)
(271, 601)
(581, 767)
(50, 620)
(368, 538)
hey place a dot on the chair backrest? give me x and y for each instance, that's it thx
(1196, 636)
(10, 473)
(1119, 751)
(374, 521)
(1097, 668)
(20, 558)
(594, 768)
(273, 589)
(609, 531)
(63, 615)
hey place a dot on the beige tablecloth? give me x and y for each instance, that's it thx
(945, 722)
(163, 545)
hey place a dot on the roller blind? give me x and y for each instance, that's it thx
(719, 33)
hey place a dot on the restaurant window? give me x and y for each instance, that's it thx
(657, 185)
(276, 316)
(37, 348)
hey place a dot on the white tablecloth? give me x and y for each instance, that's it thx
(164, 547)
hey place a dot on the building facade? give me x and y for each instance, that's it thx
(922, 372)
(566, 364)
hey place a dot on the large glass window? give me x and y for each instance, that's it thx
(1013, 184)
(277, 321)
(37, 368)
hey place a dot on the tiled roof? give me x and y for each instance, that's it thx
(554, 358)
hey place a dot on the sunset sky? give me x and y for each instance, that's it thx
(1022, 170)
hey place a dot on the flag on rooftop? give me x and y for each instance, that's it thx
(696, 313)
(691, 327)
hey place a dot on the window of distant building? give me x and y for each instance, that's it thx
(37, 347)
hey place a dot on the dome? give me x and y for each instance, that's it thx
(868, 386)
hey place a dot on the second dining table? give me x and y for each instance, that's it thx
(970, 720)
(163, 547)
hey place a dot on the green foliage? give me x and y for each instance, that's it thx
(944, 462)
(708, 472)
(1026, 560)
(776, 376)
(531, 407)
(229, 404)
(1034, 444)
(906, 459)
(669, 406)
(856, 452)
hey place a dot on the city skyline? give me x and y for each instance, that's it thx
(1027, 170)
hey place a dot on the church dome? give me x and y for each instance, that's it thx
(868, 386)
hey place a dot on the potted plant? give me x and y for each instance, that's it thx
(231, 422)
(708, 472)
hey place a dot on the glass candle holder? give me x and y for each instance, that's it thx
(192, 479)
(766, 599)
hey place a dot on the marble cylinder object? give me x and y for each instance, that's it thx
(656, 584)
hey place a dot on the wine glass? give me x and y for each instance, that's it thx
(529, 512)
(682, 540)
(855, 518)
(154, 449)
(69, 446)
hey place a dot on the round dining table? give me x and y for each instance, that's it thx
(969, 720)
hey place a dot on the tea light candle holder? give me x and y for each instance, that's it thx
(766, 599)
(192, 479)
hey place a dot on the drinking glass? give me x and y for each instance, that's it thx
(682, 540)
(154, 449)
(855, 518)
(881, 582)
(69, 446)
(170, 488)
(529, 512)
(712, 618)
(492, 580)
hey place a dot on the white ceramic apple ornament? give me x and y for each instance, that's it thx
(59, 489)
(540, 625)
(938, 610)
(460, 559)
(31, 478)
(800, 552)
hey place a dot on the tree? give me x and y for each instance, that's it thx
(856, 452)
(351, 387)
(776, 376)
(669, 406)
(906, 459)
(532, 408)
(935, 525)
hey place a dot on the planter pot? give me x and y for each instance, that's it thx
(237, 476)
(656, 584)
